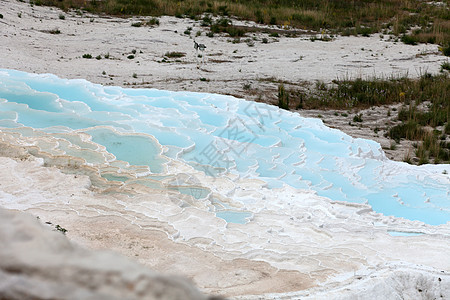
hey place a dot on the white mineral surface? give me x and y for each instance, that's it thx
(38, 263)
(295, 243)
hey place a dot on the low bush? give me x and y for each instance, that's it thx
(410, 130)
(445, 66)
(446, 50)
(357, 118)
(283, 97)
(153, 22)
(174, 54)
(409, 40)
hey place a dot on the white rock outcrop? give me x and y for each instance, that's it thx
(394, 281)
(37, 263)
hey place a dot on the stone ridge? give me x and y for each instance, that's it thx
(37, 263)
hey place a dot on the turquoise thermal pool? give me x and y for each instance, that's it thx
(131, 134)
(400, 233)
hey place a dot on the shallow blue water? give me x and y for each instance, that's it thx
(215, 133)
(400, 233)
(238, 217)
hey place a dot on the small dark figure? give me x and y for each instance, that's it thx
(197, 46)
(200, 47)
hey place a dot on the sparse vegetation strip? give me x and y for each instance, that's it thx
(423, 117)
(415, 21)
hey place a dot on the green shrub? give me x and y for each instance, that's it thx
(87, 55)
(223, 22)
(409, 39)
(273, 21)
(153, 21)
(364, 31)
(54, 31)
(206, 21)
(357, 118)
(225, 25)
(445, 66)
(259, 17)
(223, 10)
(174, 54)
(446, 50)
(234, 31)
(404, 114)
(409, 130)
(283, 97)
(302, 18)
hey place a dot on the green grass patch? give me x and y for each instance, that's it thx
(363, 93)
(425, 102)
(224, 25)
(409, 39)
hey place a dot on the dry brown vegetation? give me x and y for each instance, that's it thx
(424, 21)
(424, 116)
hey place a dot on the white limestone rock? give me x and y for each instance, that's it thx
(394, 281)
(37, 263)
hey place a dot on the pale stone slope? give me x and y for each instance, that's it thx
(36, 263)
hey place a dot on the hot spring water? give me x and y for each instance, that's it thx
(137, 130)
